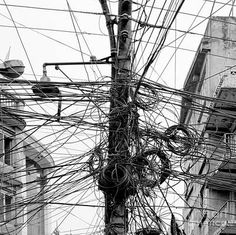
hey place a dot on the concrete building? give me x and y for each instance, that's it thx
(24, 166)
(209, 105)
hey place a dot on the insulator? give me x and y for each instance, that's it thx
(126, 7)
(93, 58)
(124, 34)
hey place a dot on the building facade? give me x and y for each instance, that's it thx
(24, 167)
(209, 106)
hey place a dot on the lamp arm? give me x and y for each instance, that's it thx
(59, 107)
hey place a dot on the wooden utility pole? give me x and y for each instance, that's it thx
(114, 180)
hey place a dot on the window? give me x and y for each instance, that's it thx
(35, 190)
(202, 196)
(202, 77)
(6, 149)
(5, 207)
(8, 207)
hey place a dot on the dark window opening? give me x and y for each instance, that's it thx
(7, 150)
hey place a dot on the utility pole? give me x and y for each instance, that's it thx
(114, 180)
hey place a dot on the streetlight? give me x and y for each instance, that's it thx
(46, 89)
(12, 68)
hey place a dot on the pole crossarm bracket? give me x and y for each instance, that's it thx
(92, 62)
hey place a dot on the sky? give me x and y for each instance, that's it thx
(44, 31)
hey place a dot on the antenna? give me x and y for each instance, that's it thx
(8, 54)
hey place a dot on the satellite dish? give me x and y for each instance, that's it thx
(12, 68)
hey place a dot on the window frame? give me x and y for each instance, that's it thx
(6, 207)
(7, 142)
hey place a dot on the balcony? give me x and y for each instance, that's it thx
(222, 116)
(7, 228)
(8, 176)
(224, 220)
(223, 166)
(9, 113)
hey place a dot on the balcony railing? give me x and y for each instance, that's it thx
(8, 100)
(226, 212)
(10, 105)
(224, 220)
(222, 174)
(221, 119)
